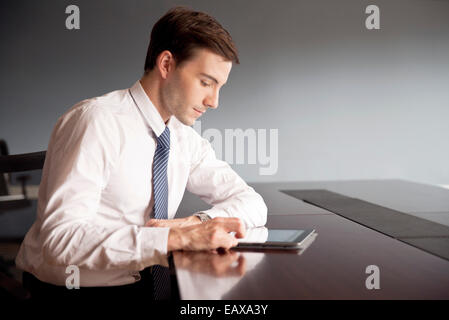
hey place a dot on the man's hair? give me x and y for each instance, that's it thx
(182, 30)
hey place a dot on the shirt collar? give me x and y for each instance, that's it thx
(147, 108)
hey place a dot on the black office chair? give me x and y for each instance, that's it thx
(11, 288)
(3, 152)
(16, 163)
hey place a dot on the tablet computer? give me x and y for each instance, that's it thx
(275, 238)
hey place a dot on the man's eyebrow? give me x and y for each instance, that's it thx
(210, 77)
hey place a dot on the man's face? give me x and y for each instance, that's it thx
(193, 87)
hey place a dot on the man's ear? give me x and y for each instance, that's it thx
(165, 63)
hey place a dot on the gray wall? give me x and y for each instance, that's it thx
(348, 103)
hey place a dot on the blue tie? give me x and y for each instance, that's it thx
(161, 275)
(160, 183)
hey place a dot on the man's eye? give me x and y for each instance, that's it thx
(204, 83)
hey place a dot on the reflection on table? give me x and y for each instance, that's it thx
(214, 274)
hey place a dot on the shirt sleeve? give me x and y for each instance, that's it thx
(84, 148)
(216, 183)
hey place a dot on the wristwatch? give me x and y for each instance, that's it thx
(203, 216)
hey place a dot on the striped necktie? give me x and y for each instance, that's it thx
(160, 183)
(161, 275)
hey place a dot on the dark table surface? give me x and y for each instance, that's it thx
(334, 265)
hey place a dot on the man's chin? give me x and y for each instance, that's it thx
(187, 121)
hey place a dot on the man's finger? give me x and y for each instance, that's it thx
(233, 225)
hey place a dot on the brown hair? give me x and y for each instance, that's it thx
(182, 30)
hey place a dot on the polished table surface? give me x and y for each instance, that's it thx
(334, 265)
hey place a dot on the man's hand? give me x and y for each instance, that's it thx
(209, 235)
(173, 223)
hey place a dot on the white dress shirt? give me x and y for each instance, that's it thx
(96, 191)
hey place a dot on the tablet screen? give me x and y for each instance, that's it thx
(283, 235)
(266, 236)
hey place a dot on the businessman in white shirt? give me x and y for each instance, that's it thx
(107, 200)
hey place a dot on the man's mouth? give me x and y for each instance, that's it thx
(198, 111)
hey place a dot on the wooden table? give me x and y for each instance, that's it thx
(334, 265)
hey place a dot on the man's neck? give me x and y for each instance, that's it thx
(151, 86)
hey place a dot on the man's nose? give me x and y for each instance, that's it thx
(212, 101)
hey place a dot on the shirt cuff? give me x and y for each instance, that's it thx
(154, 243)
(213, 213)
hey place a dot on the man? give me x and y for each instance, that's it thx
(117, 167)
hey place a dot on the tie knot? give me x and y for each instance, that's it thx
(163, 141)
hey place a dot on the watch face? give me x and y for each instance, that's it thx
(203, 217)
